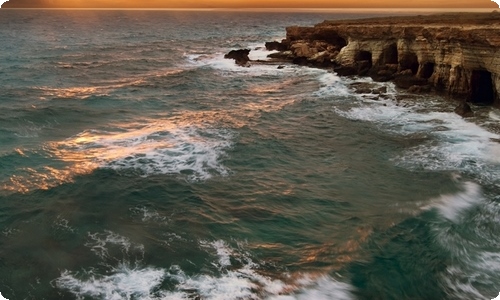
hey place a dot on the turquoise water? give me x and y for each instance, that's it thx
(137, 163)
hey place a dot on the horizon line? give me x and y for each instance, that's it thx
(258, 9)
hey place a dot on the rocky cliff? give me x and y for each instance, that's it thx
(457, 53)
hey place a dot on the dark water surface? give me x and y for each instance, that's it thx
(137, 163)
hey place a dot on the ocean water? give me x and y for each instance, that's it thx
(137, 163)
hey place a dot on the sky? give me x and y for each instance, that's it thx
(252, 3)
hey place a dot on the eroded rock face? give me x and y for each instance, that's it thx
(457, 53)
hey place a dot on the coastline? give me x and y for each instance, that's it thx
(433, 53)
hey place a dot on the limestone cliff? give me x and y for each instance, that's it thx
(457, 53)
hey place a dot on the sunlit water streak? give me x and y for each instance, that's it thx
(137, 163)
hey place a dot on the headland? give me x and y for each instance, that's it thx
(455, 53)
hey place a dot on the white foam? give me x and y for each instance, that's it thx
(494, 114)
(461, 146)
(100, 243)
(62, 224)
(242, 282)
(228, 67)
(324, 288)
(331, 85)
(259, 52)
(454, 144)
(246, 283)
(472, 243)
(223, 252)
(148, 214)
(2, 298)
(123, 283)
(452, 206)
(155, 148)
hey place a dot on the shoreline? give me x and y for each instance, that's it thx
(422, 54)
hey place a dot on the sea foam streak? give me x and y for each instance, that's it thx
(455, 144)
(258, 68)
(244, 282)
(155, 148)
(472, 242)
(123, 283)
(195, 152)
(453, 206)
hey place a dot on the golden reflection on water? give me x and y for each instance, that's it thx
(74, 92)
(337, 255)
(85, 92)
(91, 149)
(44, 178)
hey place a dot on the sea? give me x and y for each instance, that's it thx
(137, 163)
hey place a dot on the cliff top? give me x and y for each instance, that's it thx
(476, 28)
(476, 20)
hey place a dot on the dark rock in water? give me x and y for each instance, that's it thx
(382, 74)
(464, 110)
(301, 61)
(364, 67)
(405, 81)
(363, 91)
(418, 89)
(369, 88)
(380, 90)
(346, 71)
(272, 46)
(281, 67)
(363, 88)
(408, 72)
(240, 57)
(285, 55)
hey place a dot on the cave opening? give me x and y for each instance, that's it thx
(409, 61)
(340, 42)
(481, 85)
(389, 55)
(331, 37)
(427, 70)
(364, 56)
(364, 61)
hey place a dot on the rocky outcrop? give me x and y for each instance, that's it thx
(272, 46)
(456, 53)
(240, 57)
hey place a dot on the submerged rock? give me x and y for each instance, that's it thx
(464, 110)
(406, 81)
(418, 89)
